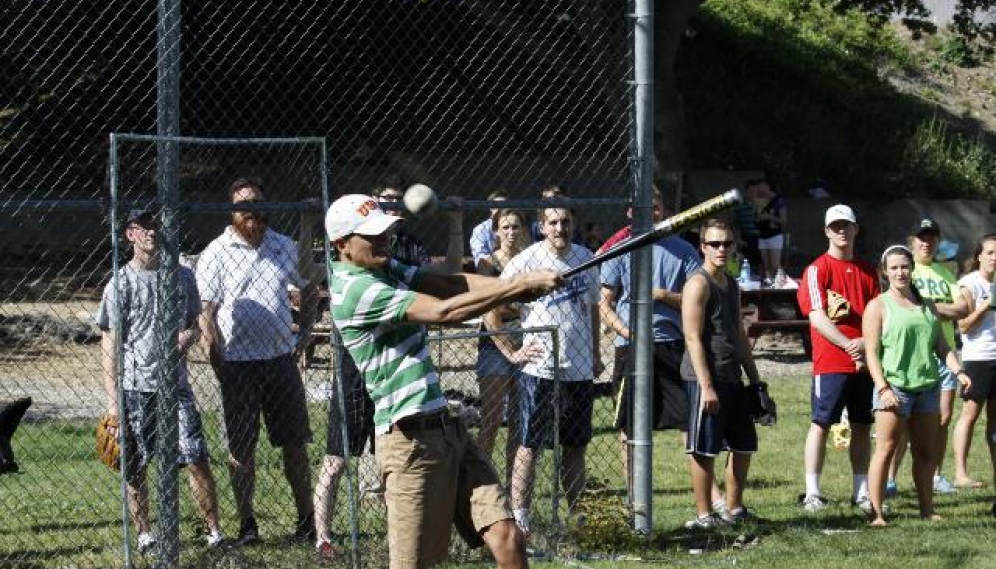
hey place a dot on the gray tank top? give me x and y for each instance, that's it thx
(720, 332)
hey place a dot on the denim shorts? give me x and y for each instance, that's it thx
(492, 363)
(913, 402)
(141, 411)
(949, 382)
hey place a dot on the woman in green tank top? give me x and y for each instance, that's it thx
(902, 333)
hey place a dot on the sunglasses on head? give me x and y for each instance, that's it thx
(717, 244)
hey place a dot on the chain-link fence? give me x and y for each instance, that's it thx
(468, 97)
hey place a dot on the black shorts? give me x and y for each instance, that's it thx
(669, 397)
(731, 428)
(359, 410)
(271, 386)
(983, 374)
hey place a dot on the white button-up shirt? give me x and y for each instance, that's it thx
(249, 285)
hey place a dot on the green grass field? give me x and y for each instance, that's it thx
(64, 511)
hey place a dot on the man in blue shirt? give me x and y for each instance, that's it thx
(674, 260)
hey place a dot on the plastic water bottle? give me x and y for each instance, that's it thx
(745, 271)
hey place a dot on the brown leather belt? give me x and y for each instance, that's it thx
(425, 422)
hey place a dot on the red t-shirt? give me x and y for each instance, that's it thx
(619, 236)
(854, 280)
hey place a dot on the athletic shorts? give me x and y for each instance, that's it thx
(359, 411)
(272, 386)
(141, 413)
(913, 402)
(669, 397)
(983, 374)
(832, 392)
(436, 477)
(491, 362)
(731, 428)
(535, 399)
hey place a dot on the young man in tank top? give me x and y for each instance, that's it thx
(716, 349)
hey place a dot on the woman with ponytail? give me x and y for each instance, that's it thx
(902, 334)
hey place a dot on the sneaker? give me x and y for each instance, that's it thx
(813, 503)
(305, 528)
(215, 539)
(740, 515)
(864, 504)
(943, 486)
(892, 488)
(146, 543)
(324, 552)
(248, 532)
(708, 521)
(719, 507)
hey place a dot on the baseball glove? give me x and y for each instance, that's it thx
(108, 449)
(838, 307)
(762, 407)
(841, 434)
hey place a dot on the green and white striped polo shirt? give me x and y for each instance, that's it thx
(368, 307)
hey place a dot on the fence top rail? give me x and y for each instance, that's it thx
(133, 137)
(104, 204)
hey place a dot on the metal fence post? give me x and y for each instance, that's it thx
(116, 230)
(642, 304)
(168, 162)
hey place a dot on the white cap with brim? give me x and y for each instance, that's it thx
(839, 212)
(357, 213)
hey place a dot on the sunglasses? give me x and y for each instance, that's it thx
(717, 244)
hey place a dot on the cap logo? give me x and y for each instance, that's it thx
(366, 207)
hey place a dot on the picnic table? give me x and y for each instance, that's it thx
(774, 310)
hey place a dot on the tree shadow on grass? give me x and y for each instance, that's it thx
(750, 534)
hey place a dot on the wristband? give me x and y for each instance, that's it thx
(881, 390)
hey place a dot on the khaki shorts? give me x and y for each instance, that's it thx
(435, 476)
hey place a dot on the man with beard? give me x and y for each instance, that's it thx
(243, 277)
(573, 308)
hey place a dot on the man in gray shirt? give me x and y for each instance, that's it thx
(133, 296)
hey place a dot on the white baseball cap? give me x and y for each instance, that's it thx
(357, 213)
(839, 212)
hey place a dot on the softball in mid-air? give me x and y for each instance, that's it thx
(420, 200)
